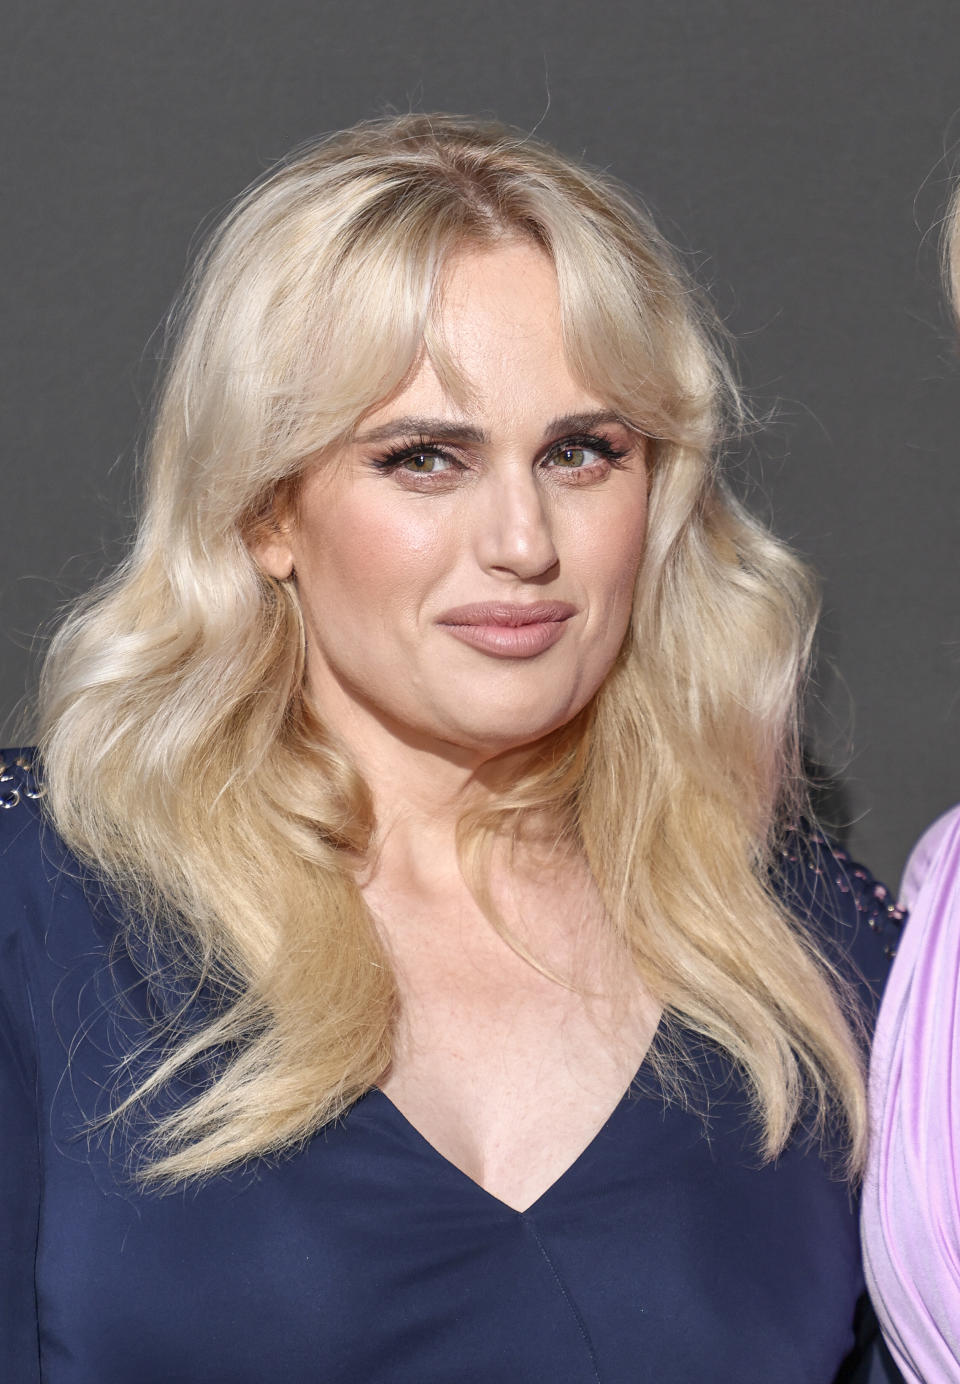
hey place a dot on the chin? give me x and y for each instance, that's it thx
(512, 730)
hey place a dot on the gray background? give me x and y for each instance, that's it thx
(800, 154)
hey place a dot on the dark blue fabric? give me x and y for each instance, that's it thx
(665, 1253)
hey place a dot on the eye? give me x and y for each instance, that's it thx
(425, 463)
(589, 455)
(575, 458)
(411, 462)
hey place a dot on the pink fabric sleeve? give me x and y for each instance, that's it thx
(911, 1197)
(924, 854)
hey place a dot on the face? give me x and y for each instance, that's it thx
(466, 573)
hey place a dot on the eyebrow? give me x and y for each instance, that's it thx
(439, 429)
(449, 430)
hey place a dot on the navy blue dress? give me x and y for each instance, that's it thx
(664, 1253)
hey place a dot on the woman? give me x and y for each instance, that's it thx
(415, 790)
(911, 1208)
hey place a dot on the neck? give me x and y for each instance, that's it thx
(422, 787)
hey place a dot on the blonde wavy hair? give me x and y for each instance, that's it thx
(184, 763)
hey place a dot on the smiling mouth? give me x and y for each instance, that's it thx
(509, 630)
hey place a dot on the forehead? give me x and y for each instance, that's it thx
(498, 333)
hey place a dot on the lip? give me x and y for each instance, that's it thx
(507, 629)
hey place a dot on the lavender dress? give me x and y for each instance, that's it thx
(911, 1202)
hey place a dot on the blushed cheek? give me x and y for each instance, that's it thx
(374, 557)
(613, 553)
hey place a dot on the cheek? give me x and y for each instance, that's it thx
(610, 549)
(369, 554)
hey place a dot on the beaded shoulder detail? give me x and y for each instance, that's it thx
(824, 863)
(19, 779)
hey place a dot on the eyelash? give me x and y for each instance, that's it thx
(396, 456)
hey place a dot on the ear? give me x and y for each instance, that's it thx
(269, 536)
(271, 550)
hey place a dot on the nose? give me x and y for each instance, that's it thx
(515, 531)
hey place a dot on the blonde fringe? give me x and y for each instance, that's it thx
(185, 766)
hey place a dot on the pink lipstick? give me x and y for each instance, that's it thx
(506, 629)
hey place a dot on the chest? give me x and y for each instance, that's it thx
(507, 1071)
(660, 1255)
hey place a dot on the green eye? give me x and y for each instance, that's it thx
(425, 463)
(579, 458)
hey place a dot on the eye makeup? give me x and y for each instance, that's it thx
(588, 442)
(417, 460)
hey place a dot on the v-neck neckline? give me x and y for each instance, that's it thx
(412, 1132)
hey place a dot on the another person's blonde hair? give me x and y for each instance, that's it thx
(951, 251)
(185, 764)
